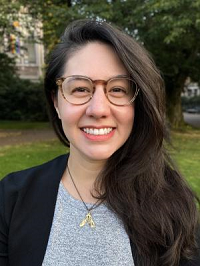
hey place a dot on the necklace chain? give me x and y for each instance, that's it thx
(88, 218)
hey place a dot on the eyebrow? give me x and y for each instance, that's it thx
(121, 76)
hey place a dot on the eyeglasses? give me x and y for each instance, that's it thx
(79, 90)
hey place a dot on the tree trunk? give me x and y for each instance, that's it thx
(69, 3)
(173, 101)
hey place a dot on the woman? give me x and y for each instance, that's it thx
(115, 199)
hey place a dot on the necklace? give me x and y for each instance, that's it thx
(88, 218)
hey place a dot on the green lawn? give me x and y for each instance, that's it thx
(14, 158)
(186, 154)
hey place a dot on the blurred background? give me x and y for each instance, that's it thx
(169, 29)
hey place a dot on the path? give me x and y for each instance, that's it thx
(192, 119)
(15, 137)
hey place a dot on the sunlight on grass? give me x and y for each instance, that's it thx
(187, 156)
(186, 153)
(19, 157)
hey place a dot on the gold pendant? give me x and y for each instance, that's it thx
(88, 219)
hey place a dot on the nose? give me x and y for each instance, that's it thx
(98, 106)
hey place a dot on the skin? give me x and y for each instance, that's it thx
(88, 156)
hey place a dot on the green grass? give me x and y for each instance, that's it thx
(4, 124)
(186, 154)
(15, 158)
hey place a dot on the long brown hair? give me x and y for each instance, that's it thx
(140, 184)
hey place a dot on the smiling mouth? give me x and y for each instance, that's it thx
(98, 131)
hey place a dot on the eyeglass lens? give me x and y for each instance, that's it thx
(79, 90)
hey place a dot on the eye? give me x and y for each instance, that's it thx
(117, 91)
(81, 90)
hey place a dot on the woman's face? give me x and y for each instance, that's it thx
(97, 61)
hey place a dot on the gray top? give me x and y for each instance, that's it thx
(107, 244)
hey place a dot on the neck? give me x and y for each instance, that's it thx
(84, 173)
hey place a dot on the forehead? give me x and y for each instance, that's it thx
(95, 60)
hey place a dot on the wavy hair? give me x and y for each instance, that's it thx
(139, 181)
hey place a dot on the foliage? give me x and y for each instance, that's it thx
(19, 99)
(22, 100)
(9, 13)
(172, 35)
(13, 18)
(7, 68)
(191, 102)
(165, 27)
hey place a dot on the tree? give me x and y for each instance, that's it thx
(8, 14)
(19, 99)
(172, 35)
(169, 29)
(12, 17)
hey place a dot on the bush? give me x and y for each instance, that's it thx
(190, 102)
(19, 99)
(22, 100)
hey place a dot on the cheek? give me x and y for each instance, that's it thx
(69, 114)
(126, 118)
(68, 118)
(64, 113)
(63, 109)
(69, 122)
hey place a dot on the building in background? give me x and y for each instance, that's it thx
(25, 46)
(191, 89)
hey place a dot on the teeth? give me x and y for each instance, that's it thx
(95, 131)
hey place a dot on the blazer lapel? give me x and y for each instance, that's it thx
(33, 214)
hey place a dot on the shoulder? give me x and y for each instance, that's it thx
(27, 200)
(33, 180)
(19, 180)
(25, 188)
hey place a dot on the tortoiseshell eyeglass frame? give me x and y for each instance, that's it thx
(59, 82)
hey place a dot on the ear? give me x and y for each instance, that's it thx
(55, 102)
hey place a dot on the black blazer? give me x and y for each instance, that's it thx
(27, 203)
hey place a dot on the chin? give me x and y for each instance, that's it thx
(99, 155)
(93, 152)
